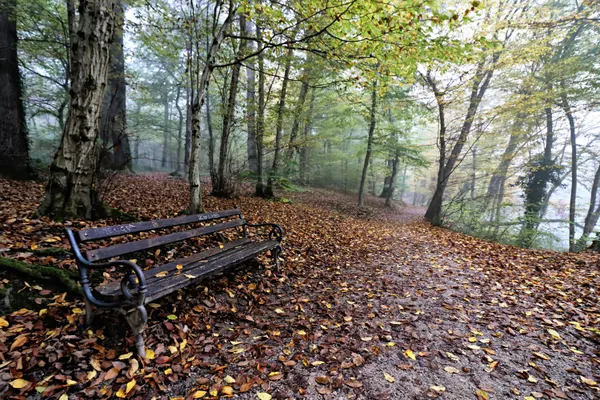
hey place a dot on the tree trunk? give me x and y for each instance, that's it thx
(591, 219)
(223, 184)
(70, 191)
(392, 187)
(279, 126)
(481, 82)
(14, 148)
(303, 157)
(260, 120)
(573, 199)
(200, 89)
(166, 133)
(292, 146)
(179, 130)
(372, 122)
(251, 105)
(536, 194)
(116, 151)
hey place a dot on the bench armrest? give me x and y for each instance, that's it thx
(276, 231)
(133, 271)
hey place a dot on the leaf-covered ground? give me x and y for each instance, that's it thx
(371, 306)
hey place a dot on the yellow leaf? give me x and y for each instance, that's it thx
(125, 356)
(3, 323)
(64, 396)
(91, 375)
(574, 350)
(172, 317)
(227, 390)
(71, 382)
(182, 345)
(199, 394)
(554, 334)
(19, 341)
(540, 355)
(19, 383)
(409, 354)
(451, 370)
(190, 276)
(121, 394)
(229, 379)
(316, 363)
(264, 396)
(437, 389)
(168, 371)
(481, 395)
(588, 381)
(150, 354)
(279, 311)
(179, 266)
(130, 386)
(389, 378)
(162, 274)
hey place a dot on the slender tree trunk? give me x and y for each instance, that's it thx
(573, 200)
(116, 150)
(14, 148)
(392, 187)
(166, 133)
(372, 122)
(70, 190)
(403, 188)
(298, 115)
(223, 187)
(304, 149)
(495, 192)
(481, 82)
(279, 126)
(179, 130)
(201, 87)
(260, 120)
(591, 219)
(251, 105)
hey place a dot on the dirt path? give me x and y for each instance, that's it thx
(371, 306)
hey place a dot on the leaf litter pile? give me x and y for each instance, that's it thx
(372, 306)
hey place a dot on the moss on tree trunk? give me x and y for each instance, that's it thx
(63, 278)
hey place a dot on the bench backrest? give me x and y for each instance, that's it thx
(88, 235)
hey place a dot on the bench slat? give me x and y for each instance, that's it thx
(145, 244)
(200, 270)
(105, 232)
(114, 288)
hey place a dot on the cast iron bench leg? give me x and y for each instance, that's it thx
(276, 252)
(137, 318)
(89, 313)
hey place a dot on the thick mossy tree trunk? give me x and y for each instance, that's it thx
(370, 139)
(113, 123)
(70, 191)
(298, 113)
(591, 219)
(14, 148)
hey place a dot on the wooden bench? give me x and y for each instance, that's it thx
(139, 287)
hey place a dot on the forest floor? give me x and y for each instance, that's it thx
(376, 305)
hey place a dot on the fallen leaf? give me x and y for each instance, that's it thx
(19, 383)
(409, 354)
(451, 370)
(264, 396)
(389, 378)
(199, 394)
(554, 334)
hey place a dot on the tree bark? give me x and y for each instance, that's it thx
(251, 105)
(573, 198)
(260, 120)
(116, 151)
(14, 147)
(179, 130)
(591, 219)
(223, 185)
(279, 126)
(481, 82)
(392, 187)
(195, 205)
(303, 156)
(166, 133)
(292, 146)
(372, 123)
(70, 191)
